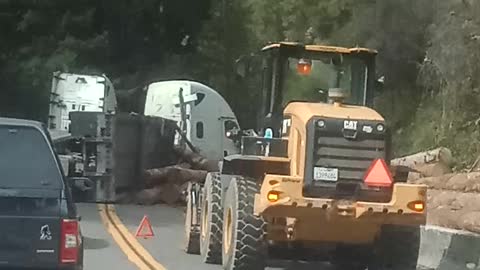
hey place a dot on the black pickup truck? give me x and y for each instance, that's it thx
(39, 225)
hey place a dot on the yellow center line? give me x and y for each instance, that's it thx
(135, 252)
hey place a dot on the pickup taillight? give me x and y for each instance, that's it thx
(69, 241)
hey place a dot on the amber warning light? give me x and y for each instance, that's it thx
(418, 206)
(304, 67)
(273, 196)
(378, 175)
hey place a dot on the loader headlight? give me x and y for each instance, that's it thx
(380, 128)
(321, 123)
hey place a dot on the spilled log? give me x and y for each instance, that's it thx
(438, 155)
(196, 160)
(173, 175)
(167, 185)
(454, 210)
(460, 182)
(430, 163)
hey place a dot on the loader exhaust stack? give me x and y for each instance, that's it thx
(337, 95)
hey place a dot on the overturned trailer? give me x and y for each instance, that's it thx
(108, 153)
(103, 151)
(124, 153)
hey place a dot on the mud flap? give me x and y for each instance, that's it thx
(191, 242)
(93, 189)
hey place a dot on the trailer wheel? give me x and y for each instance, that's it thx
(244, 247)
(192, 233)
(211, 220)
(397, 248)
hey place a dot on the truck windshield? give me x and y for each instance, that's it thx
(26, 160)
(309, 79)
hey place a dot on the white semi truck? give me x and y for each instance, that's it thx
(205, 118)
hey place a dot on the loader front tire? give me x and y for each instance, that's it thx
(244, 247)
(192, 232)
(211, 220)
(397, 248)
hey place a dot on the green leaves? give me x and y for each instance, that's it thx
(138, 41)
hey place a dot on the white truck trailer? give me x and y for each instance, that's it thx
(78, 92)
(81, 107)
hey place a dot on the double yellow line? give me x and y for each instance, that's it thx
(135, 252)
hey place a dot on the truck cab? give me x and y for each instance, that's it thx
(78, 93)
(201, 113)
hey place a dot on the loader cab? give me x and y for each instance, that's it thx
(310, 73)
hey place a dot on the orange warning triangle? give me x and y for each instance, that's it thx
(378, 174)
(141, 227)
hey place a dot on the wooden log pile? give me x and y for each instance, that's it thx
(434, 162)
(453, 198)
(455, 210)
(167, 184)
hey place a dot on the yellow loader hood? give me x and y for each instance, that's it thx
(304, 111)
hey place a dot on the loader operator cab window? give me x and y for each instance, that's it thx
(310, 76)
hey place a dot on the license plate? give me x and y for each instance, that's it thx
(325, 174)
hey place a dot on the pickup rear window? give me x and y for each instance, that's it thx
(26, 160)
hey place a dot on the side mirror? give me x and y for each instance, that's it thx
(229, 134)
(323, 93)
(380, 84)
(232, 133)
(241, 66)
(248, 64)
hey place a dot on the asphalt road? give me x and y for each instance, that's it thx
(102, 252)
(166, 245)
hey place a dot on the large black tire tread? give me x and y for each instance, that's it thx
(397, 248)
(192, 231)
(247, 239)
(211, 242)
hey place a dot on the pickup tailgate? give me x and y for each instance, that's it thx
(30, 227)
(31, 187)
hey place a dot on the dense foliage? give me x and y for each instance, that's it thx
(429, 53)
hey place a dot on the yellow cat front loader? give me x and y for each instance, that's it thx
(317, 177)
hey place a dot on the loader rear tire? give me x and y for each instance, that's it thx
(244, 246)
(211, 220)
(397, 248)
(192, 230)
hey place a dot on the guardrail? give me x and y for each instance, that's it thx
(447, 249)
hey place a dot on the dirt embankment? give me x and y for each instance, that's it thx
(453, 198)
